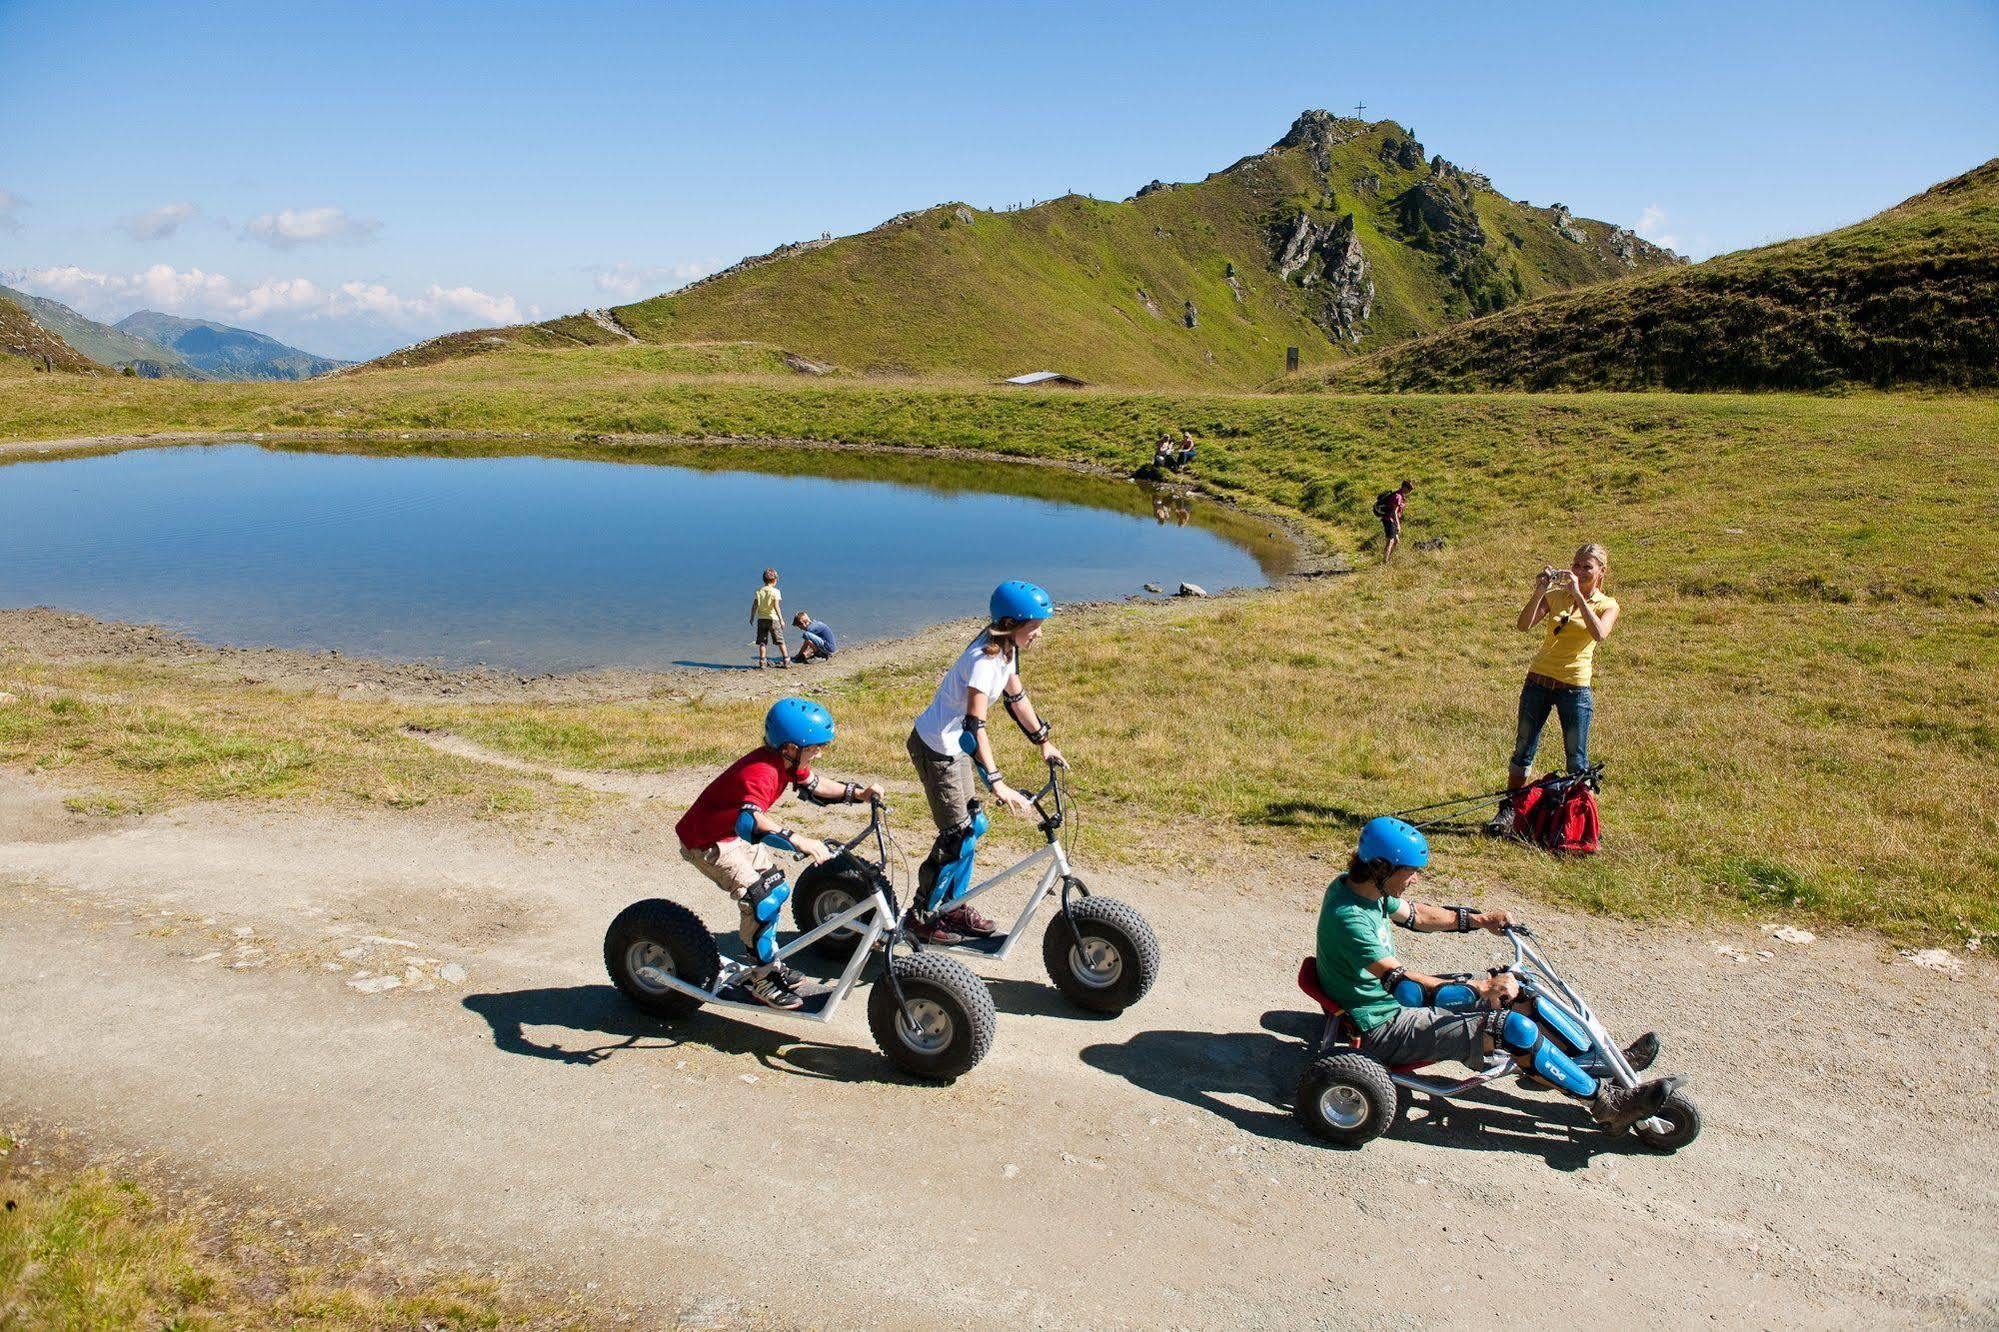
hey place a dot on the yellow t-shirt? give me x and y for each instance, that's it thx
(766, 601)
(1568, 652)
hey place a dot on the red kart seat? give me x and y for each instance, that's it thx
(1342, 1026)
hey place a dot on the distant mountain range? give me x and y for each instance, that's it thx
(1344, 236)
(161, 346)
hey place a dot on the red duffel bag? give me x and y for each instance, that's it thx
(1558, 813)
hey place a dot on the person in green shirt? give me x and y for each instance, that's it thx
(1359, 970)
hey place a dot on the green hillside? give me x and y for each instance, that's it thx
(1908, 297)
(1342, 237)
(223, 351)
(25, 344)
(101, 342)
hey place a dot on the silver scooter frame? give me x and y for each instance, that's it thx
(821, 1005)
(999, 947)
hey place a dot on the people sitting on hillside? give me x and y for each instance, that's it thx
(816, 639)
(1185, 456)
(1164, 452)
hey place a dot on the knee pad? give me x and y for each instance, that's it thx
(762, 903)
(1451, 994)
(1564, 1028)
(946, 872)
(1520, 1035)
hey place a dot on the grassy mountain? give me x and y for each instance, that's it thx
(1909, 296)
(224, 352)
(25, 342)
(103, 343)
(1340, 238)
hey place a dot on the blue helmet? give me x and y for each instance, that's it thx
(1394, 841)
(797, 721)
(1016, 601)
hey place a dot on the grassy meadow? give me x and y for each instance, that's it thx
(1797, 712)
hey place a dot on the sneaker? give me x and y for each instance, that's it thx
(967, 919)
(934, 930)
(1501, 824)
(770, 990)
(1641, 1052)
(1618, 1108)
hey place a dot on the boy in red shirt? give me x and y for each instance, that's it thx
(728, 832)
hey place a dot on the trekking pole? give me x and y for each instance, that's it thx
(1446, 804)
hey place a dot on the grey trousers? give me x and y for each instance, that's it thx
(949, 784)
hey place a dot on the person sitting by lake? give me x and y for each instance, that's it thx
(1577, 614)
(1185, 456)
(1388, 507)
(765, 609)
(1164, 452)
(816, 638)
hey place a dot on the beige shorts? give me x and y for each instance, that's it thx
(733, 866)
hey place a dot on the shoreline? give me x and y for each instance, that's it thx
(68, 636)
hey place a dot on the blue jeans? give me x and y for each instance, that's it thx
(1572, 705)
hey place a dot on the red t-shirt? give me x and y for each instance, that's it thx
(1397, 501)
(757, 778)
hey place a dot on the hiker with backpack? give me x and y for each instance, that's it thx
(1575, 614)
(1388, 506)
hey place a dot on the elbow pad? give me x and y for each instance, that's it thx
(746, 828)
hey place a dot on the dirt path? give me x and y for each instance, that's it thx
(402, 1020)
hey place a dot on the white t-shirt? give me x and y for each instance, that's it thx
(944, 720)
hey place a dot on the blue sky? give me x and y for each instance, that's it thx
(351, 177)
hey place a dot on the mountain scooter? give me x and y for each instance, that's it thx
(930, 1015)
(1349, 1098)
(1100, 953)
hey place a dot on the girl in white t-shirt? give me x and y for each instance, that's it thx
(950, 748)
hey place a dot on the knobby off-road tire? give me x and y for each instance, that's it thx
(1347, 1099)
(824, 891)
(1683, 1118)
(1108, 961)
(954, 1012)
(668, 936)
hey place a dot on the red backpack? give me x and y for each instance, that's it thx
(1558, 813)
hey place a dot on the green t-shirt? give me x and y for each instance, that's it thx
(1353, 932)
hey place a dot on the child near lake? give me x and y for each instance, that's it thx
(818, 643)
(767, 613)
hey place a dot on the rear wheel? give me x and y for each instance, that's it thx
(823, 892)
(1347, 1099)
(660, 937)
(950, 1022)
(1682, 1125)
(1101, 954)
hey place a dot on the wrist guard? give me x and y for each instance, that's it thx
(809, 793)
(1465, 915)
(1038, 734)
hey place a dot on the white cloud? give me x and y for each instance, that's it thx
(631, 280)
(1652, 226)
(364, 318)
(10, 204)
(289, 228)
(159, 223)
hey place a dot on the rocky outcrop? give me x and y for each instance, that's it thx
(1318, 133)
(1565, 225)
(1328, 260)
(964, 214)
(1396, 151)
(1155, 187)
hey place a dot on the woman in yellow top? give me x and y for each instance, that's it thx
(1577, 614)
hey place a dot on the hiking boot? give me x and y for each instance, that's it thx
(1618, 1108)
(770, 990)
(934, 930)
(1641, 1052)
(968, 920)
(1501, 824)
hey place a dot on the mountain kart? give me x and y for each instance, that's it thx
(930, 1015)
(1349, 1098)
(1099, 952)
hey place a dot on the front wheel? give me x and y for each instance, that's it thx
(1101, 954)
(661, 937)
(1347, 1098)
(825, 891)
(949, 1023)
(1683, 1125)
